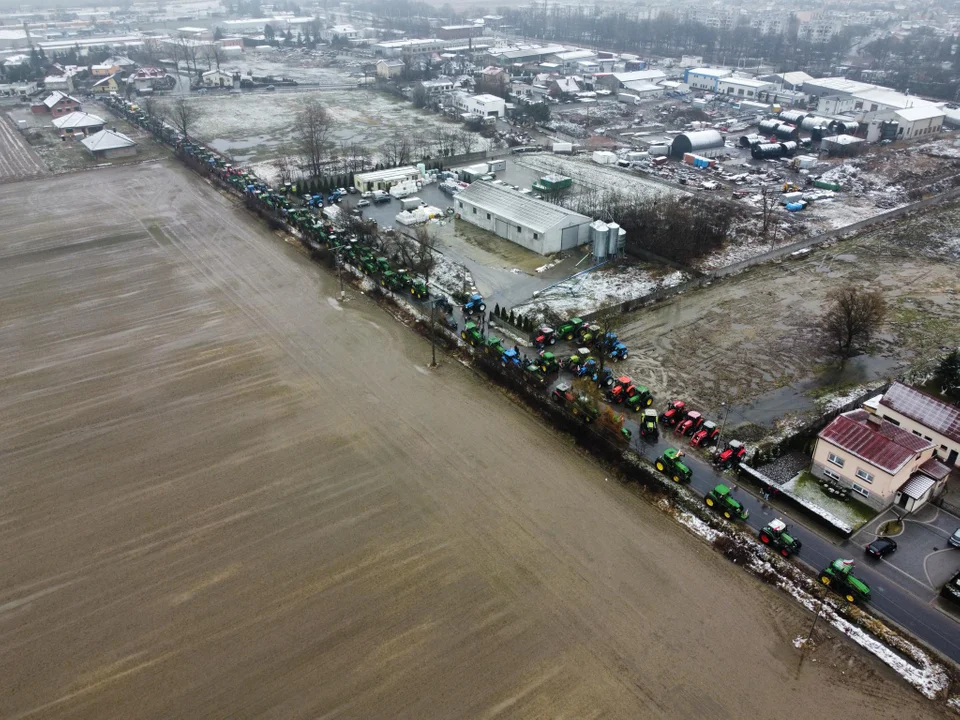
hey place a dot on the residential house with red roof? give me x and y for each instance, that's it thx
(882, 463)
(923, 415)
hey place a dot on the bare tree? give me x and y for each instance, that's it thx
(852, 316)
(419, 145)
(184, 114)
(312, 128)
(444, 140)
(213, 55)
(188, 51)
(285, 167)
(464, 140)
(396, 151)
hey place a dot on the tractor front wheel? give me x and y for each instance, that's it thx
(851, 599)
(764, 538)
(726, 514)
(708, 501)
(649, 402)
(676, 479)
(482, 307)
(659, 466)
(825, 579)
(568, 336)
(785, 552)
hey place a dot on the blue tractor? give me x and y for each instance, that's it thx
(586, 369)
(510, 358)
(474, 304)
(604, 378)
(618, 351)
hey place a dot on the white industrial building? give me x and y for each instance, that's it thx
(742, 87)
(534, 224)
(385, 179)
(705, 78)
(344, 32)
(480, 105)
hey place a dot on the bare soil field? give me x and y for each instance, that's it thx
(17, 160)
(754, 334)
(225, 495)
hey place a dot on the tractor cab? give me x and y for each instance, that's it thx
(671, 464)
(674, 413)
(776, 536)
(545, 336)
(648, 425)
(569, 329)
(706, 435)
(493, 345)
(588, 333)
(621, 390)
(474, 304)
(690, 424)
(640, 398)
(510, 358)
(731, 455)
(549, 363)
(618, 351)
(604, 378)
(471, 334)
(720, 499)
(563, 393)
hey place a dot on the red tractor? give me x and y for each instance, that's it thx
(545, 336)
(731, 455)
(706, 435)
(690, 424)
(674, 413)
(621, 390)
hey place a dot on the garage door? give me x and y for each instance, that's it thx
(569, 238)
(503, 230)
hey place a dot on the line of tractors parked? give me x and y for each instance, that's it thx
(301, 213)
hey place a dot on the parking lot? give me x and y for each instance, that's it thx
(922, 555)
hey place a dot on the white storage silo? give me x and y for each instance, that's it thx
(613, 235)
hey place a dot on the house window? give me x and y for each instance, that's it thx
(864, 475)
(460, 203)
(537, 237)
(835, 459)
(916, 433)
(861, 490)
(830, 473)
(891, 420)
(519, 229)
(488, 216)
(474, 211)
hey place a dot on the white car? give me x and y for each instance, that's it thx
(367, 195)
(363, 203)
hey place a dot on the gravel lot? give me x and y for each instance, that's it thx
(225, 495)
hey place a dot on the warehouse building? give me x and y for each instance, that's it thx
(385, 179)
(534, 224)
(741, 87)
(705, 78)
(705, 143)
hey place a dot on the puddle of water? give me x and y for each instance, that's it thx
(794, 398)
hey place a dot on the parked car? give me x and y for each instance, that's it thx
(881, 547)
(363, 203)
(954, 539)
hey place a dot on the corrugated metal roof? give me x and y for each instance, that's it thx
(881, 444)
(538, 215)
(77, 120)
(913, 114)
(916, 486)
(935, 469)
(924, 409)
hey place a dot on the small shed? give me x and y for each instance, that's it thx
(843, 145)
(109, 144)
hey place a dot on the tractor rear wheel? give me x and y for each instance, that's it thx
(851, 599)
(726, 514)
(785, 552)
(825, 579)
(649, 402)
(659, 466)
(764, 538)
(568, 336)
(708, 501)
(676, 479)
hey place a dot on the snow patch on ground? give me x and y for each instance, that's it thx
(607, 285)
(591, 177)
(838, 514)
(830, 403)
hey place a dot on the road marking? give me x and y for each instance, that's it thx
(927, 557)
(335, 304)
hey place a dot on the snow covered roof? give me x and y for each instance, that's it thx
(711, 72)
(56, 96)
(798, 77)
(107, 140)
(924, 409)
(843, 140)
(840, 85)
(648, 75)
(105, 81)
(567, 84)
(881, 444)
(538, 215)
(915, 114)
(78, 121)
(575, 55)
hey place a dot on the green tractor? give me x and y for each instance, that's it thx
(367, 264)
(493, 346)
(568, 330)
(839, 577)
(396, 281)
(418, 289)
(383, 265)
(776, 536)
(648, 424)
(549, 363)
(533, 374)
(640, 399)
(725, 504)
(582, 407)
(670, 464)
(471, 333)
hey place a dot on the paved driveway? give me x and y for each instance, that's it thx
(922, 550)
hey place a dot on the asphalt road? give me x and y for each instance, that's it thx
(895, 595)
(225, 494)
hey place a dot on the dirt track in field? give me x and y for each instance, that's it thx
(222, 495)
(18, 161)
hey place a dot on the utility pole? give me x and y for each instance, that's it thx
(433, 332)
(340, 272)
(813, 626)
(723, 423)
